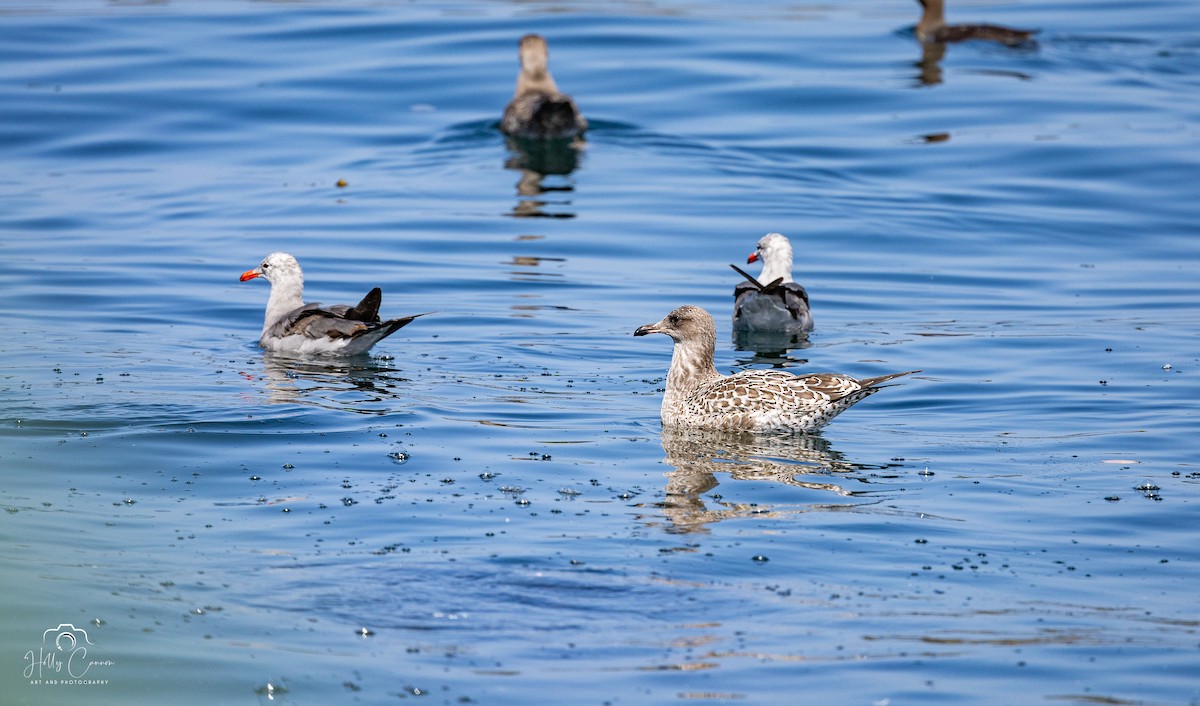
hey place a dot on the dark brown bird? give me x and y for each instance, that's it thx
(538, 110)
(933, 28)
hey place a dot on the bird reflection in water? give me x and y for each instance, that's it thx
(934, 34)
(698, 456)
(534, 268)
(359, 385)
(931, 69)
(535, 160)
(544, 129)
(770, 347)
(930, 64)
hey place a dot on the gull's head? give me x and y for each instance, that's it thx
(772, 247)
(775, 252)
(276, 267)
(685, 324)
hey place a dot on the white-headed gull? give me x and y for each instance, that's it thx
(933, 28)
(772, 302)
(538, 110)
(291, 326)
(697, 396)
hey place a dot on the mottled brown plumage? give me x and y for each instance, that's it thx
(538, 110)
(933, 28)
(754, 400)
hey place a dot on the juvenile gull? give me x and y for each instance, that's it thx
(699, 397)
(291, 326)
(538, 110)
(933, 28)
(772, 302)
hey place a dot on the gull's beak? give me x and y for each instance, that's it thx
(250, 274)
(753, 257)
(648, 328)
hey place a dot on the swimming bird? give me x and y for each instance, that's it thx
(291, 326)
(538, 110)
(697, 396)
(933, 28)
(772, 302)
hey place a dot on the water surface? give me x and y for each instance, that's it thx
(486, 510)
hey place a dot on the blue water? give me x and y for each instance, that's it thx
(486, 510)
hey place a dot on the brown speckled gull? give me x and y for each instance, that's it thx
(697, 396)
(772, 302)
(291, 326)
(538, 110)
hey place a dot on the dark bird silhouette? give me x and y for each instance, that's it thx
(933, 28)
(538, 110)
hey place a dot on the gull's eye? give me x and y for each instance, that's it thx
(673, 319)
(265, 265)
